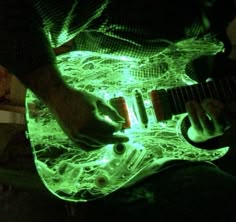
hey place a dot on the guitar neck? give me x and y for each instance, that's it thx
(172, 101)
(222, 90)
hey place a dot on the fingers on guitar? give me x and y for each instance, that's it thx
(208, 117)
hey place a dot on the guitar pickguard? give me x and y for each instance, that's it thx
(75, 175)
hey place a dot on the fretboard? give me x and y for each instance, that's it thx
(223, 90)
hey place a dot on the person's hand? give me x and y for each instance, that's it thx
(83, 117)
(207, 120)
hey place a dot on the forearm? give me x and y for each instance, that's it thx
(46, 83)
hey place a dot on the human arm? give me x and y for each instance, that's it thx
(222, 64)
(26, 52)
(217, 134)
(80, 114)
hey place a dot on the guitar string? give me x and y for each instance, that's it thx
(198, 93)
(173, 99)
(216, 90)
(209, 90)
(213, 89)
(179, 99)
(192, 93)
(203, 90)
(183, 98)
(229, 88)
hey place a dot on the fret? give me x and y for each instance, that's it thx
(192, 92)
(186, 92)
(175, 111)
(198, 93)
(217, 95)
(177, 100)
(229, 87)
(197, 96)
(181, 99)
(203, 89)
(171, 101)
(223, 90)
(217, 89)
(208, 87)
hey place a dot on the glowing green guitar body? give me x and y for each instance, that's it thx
(75, 175)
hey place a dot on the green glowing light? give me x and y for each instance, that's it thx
(75, 175)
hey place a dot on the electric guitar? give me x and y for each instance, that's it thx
(149, 93)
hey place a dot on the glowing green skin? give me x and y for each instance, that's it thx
(75, 175)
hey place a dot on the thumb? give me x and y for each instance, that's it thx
(108, 110)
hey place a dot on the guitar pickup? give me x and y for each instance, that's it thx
(161, 105)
